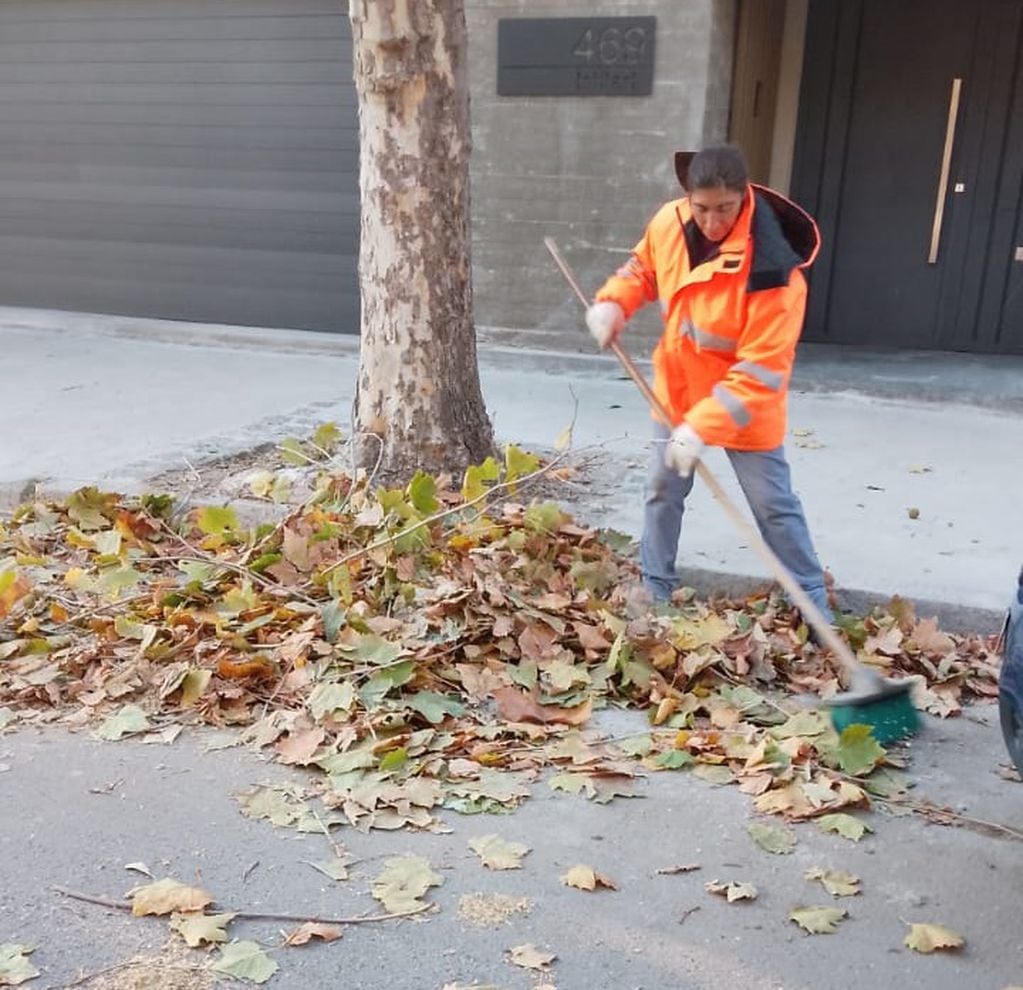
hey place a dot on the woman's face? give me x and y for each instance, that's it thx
(715, 211)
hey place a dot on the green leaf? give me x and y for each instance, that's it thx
(394, 759)
(327, 698)
(90, 508)
(498, 854)
(327, 436)
(835, 882)
(245, 961)
(733, 891)
(384, 681)
(817, 920)
(15, 968)
(674, 759)
(333, 615)
(564, 439)
(779, 841)
(293, 452)
(108, 542)
(158, 506)
(201, 929)
(636, 745)
(844, 825)
(198, 572)
(217, 519)
(717, 775)
(858, 752)
(476, 477)
(372, 649)
(113, 580)
(422, 491)
(434, 707)
(517, 463)
(800, 724)
(130, 719)
(403, 882)
(543, 517)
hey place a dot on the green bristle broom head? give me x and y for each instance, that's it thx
(891, 716)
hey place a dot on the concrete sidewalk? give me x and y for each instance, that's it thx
(114, 401)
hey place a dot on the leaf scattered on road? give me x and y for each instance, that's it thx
(734, 890)
(818, 920)
(498, 854)
(528, 956)
(245, 961)
(927, 938)
(167, 896)
(15, 968)
(586, 878)
(404, 880)
(771, 838)
(835, 882)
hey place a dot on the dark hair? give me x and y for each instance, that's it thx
(720, 165)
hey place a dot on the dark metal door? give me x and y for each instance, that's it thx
(906, 154)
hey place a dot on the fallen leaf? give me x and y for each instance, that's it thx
(845, 825)
(514, 705)
(528, 956)
(771, 838)
(129, 720)
(586, 878)
(245, 961)
(167, 896)
(312, 929)
(139, 868)
(403, 882)
(818, 920)
(858, 751)
(497, 854)
(836, 882)
(198, 929)
(734, 890)
(927, 938)
(15, 968)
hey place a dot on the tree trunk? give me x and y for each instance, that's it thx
(419, 389)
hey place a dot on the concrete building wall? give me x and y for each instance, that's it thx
(588, 171)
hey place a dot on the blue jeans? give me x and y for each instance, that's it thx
(765, 481)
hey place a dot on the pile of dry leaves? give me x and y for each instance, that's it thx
(430, 647)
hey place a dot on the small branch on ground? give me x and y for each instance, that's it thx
(108, 902)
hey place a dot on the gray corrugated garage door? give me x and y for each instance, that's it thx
(187, 159)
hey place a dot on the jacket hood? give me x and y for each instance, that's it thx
(784, 237)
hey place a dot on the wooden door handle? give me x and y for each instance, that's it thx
(946, 164)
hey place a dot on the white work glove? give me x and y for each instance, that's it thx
(683, 450)
(605, 320)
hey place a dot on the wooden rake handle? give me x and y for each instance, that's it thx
(820, 625)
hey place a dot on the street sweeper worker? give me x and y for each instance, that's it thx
(725, 264)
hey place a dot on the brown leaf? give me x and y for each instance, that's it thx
(310, 930)
(514, 705)
(167, 896)
(927, 637)
(299, 748)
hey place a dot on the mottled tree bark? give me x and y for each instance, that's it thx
(419, 389)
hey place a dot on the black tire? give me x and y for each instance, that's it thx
(1012, 729)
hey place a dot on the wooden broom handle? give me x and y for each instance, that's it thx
(820, 625)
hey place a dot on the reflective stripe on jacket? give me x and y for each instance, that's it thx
(731, 323)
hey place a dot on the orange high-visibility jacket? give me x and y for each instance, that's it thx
(731, 323)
